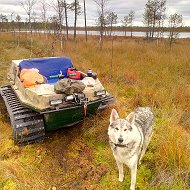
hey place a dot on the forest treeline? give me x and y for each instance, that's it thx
(39, 26)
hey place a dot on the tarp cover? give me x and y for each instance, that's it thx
(48, 66)
(69, 86)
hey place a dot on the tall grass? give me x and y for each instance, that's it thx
(143, 74)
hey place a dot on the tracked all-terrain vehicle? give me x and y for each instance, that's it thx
(47, 94)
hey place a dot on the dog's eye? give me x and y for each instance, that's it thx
(125, 129)
(130, 128)
(116, 129)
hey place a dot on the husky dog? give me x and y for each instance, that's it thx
(129, 139)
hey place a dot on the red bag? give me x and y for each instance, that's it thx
(72, 73)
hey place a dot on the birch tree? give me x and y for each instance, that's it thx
(85, 25)
(58, 21)
(125, 22)
(154, 13)
(66, 6)
(76, 7)
(44, 16)
(3, 19)
(18, 20)
(111, 19)
(101, 8)
(175, 21)
(131, 17)
(28, 7)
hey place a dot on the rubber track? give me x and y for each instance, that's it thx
(28, 125)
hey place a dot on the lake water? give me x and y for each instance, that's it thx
(137, 34)
(120, 33)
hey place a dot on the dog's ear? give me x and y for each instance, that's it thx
(114, 116)
(131, 117)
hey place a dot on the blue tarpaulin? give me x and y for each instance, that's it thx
(48, 66)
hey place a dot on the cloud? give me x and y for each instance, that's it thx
(120, 7)
(10, 2)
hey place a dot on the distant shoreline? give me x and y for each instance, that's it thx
(115, 33)
(128, 29)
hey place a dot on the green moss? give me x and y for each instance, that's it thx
(10, 185)
(143, 178)
(110, 181)
(103, 154)
(129, 92)
(8, 150)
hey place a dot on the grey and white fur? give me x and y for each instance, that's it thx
(129, 139)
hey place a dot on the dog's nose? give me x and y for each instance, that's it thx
(120, 139)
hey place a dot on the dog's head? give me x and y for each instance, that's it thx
(120, 130)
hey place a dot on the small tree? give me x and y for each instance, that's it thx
(154, 13)
(161, 18)
(131, 17)
(4, 20)
(44, 16)
(75, 6)
(175, 21)
(55, 24)
(28, 6)
(101, 8)
(12, 24)
(18, 20)
(66, 6)
(34, 20)
(111, 19)
(58, 24)
(125, 22)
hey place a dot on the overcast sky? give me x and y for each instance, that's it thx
(121, 7)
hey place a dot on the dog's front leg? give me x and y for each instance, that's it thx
(120, 168)
(133, 176)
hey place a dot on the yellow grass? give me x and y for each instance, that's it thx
(143, 74)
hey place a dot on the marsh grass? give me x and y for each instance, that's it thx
(143, 74)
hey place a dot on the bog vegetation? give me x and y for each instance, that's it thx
(137, 73)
